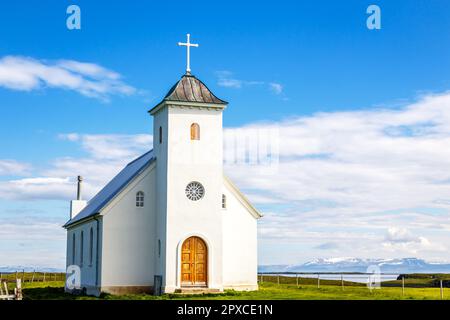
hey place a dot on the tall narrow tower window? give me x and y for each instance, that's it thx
(91, 246)
(160, 135)
(159, 248)
(82, 249)
(224, 201)
(73, 248)
(195, 131)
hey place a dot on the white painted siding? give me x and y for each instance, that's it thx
(240, 261)
(129, 245)
(88, 269)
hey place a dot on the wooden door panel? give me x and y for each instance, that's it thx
(186, 257)
(194, 262)
(200, 273)
(200, 257)
(187, 262)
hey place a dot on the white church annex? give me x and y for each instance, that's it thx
(169, 216)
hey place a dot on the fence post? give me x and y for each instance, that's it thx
(32, 278)
(44, 278)
(6, 288)
(442, 291)
(342, 282)
(318, 281)
(278, 278)
(19, 289)
(23, 275)
(296, 276)
(403, 285)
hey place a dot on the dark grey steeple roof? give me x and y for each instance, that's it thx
(187, 90)
(191, 89)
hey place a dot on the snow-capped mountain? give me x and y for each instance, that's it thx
(10, 269)
(405, 265)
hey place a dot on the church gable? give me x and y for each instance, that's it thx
(113, 188)
(138, 193)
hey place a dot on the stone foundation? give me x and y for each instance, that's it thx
(120, 290)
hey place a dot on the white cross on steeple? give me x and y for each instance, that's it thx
(188, 46)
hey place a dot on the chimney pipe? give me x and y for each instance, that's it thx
(76, 206)
(80, 180)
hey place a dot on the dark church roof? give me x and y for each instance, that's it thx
(191, 89)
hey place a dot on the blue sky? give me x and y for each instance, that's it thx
(311, 68)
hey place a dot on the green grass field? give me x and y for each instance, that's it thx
(328, 290)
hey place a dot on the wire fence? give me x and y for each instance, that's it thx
(34, 276)
(437, 285)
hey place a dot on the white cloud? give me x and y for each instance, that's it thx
(35, 188)
(276, 88)
(349, 159)
(88, 79)
(12, 167)
(37, 242)
(226, 79)
(400, 235)
(112, 146)
(106, 156)
(402, 240)
(371, 183)
(89, 69)
(362, 172)
(70, 137)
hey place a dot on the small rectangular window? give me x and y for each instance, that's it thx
(140, 199)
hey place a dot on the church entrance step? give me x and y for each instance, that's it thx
(200, 290)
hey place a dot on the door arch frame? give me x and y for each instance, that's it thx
(208, 258)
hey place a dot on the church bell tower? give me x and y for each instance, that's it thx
(187, 140)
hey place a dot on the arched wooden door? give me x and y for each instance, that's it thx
(194, 257)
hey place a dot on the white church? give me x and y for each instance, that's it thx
(170, 220)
